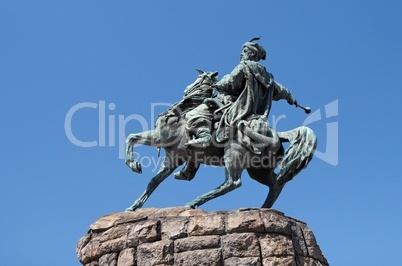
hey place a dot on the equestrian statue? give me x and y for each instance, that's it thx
(224, 123)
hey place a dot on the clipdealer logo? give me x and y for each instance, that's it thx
(109, 137)
(328, 114)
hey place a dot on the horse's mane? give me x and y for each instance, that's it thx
(192, 97)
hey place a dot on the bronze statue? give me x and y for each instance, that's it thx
(248, 90)
(228, 130)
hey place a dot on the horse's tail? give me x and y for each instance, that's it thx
(300, 152)
(303, 142)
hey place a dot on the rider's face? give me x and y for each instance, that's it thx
(246, 54)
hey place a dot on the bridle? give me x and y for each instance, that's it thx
(199, 84)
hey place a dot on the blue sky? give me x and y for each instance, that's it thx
(341, 58)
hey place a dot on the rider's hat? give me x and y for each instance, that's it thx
(261, 53)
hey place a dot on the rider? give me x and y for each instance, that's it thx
(248, 90)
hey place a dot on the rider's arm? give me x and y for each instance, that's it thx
(281, 92)
(232, 83)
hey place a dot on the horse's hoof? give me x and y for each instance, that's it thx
(135, 167)
(179, 176)
(182, 176)
(189, 205)
(130, 209)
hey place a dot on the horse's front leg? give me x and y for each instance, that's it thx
(168, 166)
(147, 138)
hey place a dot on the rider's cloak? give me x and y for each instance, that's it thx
(255, 89)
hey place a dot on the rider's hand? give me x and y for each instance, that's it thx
(210, 103)
(292, 101)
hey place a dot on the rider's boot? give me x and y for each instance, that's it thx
(188, 172)
(203, 139)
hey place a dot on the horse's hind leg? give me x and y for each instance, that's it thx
(166, 169)
(273, 194)
(267, 177)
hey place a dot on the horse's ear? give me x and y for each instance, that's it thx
(200, 71)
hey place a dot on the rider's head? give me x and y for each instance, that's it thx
(252, 51)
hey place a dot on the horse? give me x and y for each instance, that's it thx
(170, 133)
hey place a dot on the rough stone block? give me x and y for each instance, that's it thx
(112, 240)
(196, 242)
(116, 232)
(89, 252)
(280, 261)
(305, 261)
(207, 257)
(168, 212)
(206, 225)
(110, 220)
(298, 239)
(142, 232)
(83, 249)
(156, 253)
(276, 245)
(244, 221)
(275, 222)
(193, 212)
(114, 245)
(108, 260)
(249, 261)
(174, 228)
(93, 263)
(314, 250)
(126, 257)
(240, 245)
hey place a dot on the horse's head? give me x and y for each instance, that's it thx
(204, 81)
(211, 77)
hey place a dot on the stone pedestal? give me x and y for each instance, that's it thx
(183, 236)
